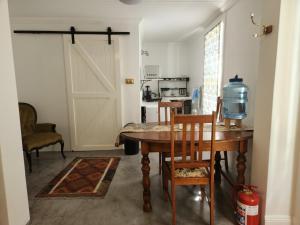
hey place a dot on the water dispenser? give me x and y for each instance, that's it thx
(235, 99)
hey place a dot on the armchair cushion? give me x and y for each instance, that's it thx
(39, 140)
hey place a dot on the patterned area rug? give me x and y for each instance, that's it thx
(83, 177)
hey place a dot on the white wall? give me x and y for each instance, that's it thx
(264, 101)
(3, 201)
(40, 72)
(273, 99)
(240, 56)
(13, 193)
(158, 55)
(270, 99)
(241, 50)
(195, 59)
(131, 62)
(296, 176)
(171, 58)
(296, 190)
(285, 113)
(40, 68)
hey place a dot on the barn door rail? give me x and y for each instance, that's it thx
(74, 32)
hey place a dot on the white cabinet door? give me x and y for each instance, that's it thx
(152, 114)
(93, 80)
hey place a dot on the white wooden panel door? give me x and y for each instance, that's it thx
(93, 84)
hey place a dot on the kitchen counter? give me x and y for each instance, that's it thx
(164, 99)
(149, 104)
(168, 99)
(150, 111)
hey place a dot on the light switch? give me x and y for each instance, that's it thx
(129, 81)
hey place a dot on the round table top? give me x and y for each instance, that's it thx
(165, 137)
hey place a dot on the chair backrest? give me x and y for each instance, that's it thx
(168, 106)
(191, 148)
(28, 118)
(219, 109)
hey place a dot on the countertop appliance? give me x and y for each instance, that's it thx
(147, 94)
(150, 96)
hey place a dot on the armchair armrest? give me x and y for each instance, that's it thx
(45, 127)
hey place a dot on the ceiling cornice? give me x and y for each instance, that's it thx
(228, 5)
(76, 20)
(165, 3)
(197, 30)
(201, 28)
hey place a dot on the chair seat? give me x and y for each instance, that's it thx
(189, 172)
(39, 140)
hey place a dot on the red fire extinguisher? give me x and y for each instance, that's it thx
(247, 209)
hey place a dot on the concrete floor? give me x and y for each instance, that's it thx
(123, 202)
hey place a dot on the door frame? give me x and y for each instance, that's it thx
(72, 128)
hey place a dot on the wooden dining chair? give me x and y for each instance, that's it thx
(168, 107)
(219, 113)
(220, 119)
(190, 168)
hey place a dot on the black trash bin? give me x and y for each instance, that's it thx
(131, 147)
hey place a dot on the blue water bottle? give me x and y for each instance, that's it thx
(235, 99)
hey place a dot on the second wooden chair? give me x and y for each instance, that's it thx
(168, 107)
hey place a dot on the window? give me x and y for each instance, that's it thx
(213, 51)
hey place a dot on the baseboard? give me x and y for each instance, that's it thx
(278, 220)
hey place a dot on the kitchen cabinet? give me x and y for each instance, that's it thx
(150, 110)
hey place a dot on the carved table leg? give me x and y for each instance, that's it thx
(241, 162)
(218, 167)
(146, 180)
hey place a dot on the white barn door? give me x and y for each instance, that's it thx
(93, 84)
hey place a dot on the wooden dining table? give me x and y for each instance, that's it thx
(160, 142)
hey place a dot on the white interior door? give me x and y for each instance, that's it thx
(93, 84)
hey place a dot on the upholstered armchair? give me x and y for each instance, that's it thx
(36, 136)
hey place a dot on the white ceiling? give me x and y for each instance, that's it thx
(164, 20)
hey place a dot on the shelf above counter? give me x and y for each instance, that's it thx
(174, 79)
(167, 79)
(162, 79)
